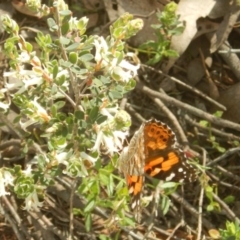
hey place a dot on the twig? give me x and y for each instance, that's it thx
(189, 108)
(231, 59)
(229, 136)
(154, 210)
(17, 218)
(191, 209)
(123, 103)
(231, 215)
(227, 173)
(10, 126)
(200, 202)
(12, 224)
(174, 230)
(135, 114)
(228, 185)
(224, 156)
(71, 226)
(165, 233)
(196, 91)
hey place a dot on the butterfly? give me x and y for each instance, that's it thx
(153, 150)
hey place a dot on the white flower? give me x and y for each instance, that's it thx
(8, 178)
(28, 171)
(122, 70)
(3, 192)
(22, 79)
(26, 124)
(23, 57)
(32, 202)
(41, 112)
(38, 113)
(87, 157)
(96, 147)
(107, 135)
(4, 106)
(62, 158)
(101, 50)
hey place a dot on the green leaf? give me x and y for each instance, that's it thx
(65, 63)
(204, 123)
(165, 204)
(171, 53)
(101, 118)
(169, 185)
(110, 185)
(60, 104)
(65, 13)
(65, 28)
(52, 24)
(79, 115)
(104, 179)
(86, 57)
(218, 114)
(72, 47)
(90, 205)
(64, 41)
(210, 208)
(93, 114)
(104, 237)
(55, 71)
(29, 47)
(73, 57)
(116, 95)
(88, 222)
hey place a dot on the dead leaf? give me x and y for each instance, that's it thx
(190, 12)
(225, 28)
(230, 98)
(195, 71)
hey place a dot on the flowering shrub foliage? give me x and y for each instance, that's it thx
(70, 94)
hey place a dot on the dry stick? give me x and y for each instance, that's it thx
(189, 108)
(17, 218)
(225, 184)
(123, 103)
(191, 209)
(154, 210)
(174, 230)
(173, 119)
(231, 59)
(200, 203)
(10, 125)
(230, 214)
(227, 173)
(224, 156)
(214, 93)
(135, 114)
(188, 87)
(45, 223)
(13, 224)
(63, 215)
(71, 226)
(51, 227)
(212, 129)
(165, 233)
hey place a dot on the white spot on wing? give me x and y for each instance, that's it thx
(170, 177)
